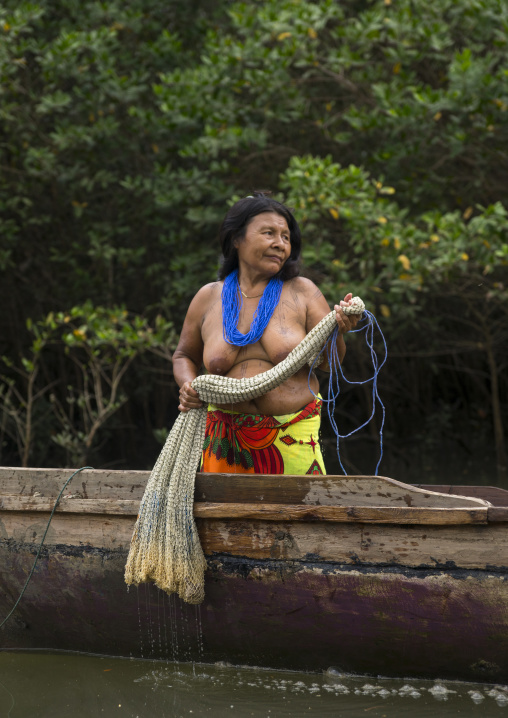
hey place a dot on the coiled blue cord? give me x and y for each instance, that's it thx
(369, 326)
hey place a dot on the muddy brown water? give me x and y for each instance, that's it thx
(39, 684)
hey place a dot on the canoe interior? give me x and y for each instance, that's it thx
(496, 496)
(353, 499)
(37, 485)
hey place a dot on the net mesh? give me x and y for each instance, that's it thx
(165, 544)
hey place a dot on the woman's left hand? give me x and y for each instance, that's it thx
(345, 322)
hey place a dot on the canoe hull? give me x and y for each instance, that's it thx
(365, 574)
(303, 615)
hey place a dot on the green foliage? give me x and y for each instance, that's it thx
(127, 128)
(358, 236)
(82, 141)
(101, 344)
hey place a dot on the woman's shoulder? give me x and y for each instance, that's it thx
(209, 290)
(305, 287)
(204, 299)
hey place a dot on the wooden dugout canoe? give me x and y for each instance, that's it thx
(304, 572)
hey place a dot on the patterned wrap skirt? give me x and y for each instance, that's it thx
(259, 444)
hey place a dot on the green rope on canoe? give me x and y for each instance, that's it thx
(42, 542)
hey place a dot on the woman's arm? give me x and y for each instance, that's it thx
(188, 355)
(317, 308)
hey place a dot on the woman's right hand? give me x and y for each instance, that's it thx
(189, 398)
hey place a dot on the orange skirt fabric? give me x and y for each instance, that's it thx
(260, 444)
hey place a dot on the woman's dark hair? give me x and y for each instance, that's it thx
(235, 224)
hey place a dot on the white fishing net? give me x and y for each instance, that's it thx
(165, 545)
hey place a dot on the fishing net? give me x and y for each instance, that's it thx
(165, 545)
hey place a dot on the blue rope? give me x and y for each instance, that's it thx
(232, 303)
(41, 543)
(332, 356)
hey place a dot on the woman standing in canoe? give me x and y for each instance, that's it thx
(243, 325)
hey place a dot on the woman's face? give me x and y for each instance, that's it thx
(266, 245)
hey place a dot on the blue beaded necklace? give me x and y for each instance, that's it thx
(232, 303)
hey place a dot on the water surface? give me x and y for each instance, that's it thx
(39, 684)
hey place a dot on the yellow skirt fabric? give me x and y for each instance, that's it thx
(260, 444)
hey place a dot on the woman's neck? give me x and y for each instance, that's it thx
(252, 284)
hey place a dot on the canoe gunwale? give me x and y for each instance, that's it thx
(269, 512)
(329, 499)
(342, 514)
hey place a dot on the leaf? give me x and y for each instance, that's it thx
(28, 365)
(405, 261)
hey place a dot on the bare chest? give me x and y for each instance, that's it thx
(284, 331)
